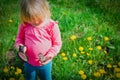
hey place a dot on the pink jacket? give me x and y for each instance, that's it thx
(45, 39)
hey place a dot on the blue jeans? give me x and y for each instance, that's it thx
(43, 72)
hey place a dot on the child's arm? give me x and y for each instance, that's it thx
(56, 44)
(20, 37)
(56, 41)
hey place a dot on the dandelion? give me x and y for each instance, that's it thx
(88, 54)
(21, 78)
(82, 52)
(10, 20)
(116, 69)
(109, 66)
(73, 37)
(65, 58)
(63, 54)
(83, 76)
(12, 79)
(16, 73)
(90, 49)
(118, 75)
(97, 74)
(102, 71)
(12, 67)
(74, 55)
(106, 38)
(90, 62)
(119, 64)
(89, 38)
(19, 71)
(81, 48)
(81, 72)
(5, 70)
(105, 51)
(114, 66)
(99, 47)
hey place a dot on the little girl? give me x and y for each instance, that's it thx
(39, 35)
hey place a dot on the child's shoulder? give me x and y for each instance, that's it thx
(52, 23)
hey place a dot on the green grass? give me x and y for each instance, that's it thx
(83, 19)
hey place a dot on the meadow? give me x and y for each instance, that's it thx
(90, 31)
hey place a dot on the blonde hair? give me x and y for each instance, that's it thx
(34, 10)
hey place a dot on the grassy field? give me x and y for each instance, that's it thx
(90, 33)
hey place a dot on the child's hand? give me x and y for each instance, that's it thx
(47, 59)
(18, 47)
(22, 48)
(21, 53)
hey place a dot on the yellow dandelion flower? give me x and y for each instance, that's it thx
(97, 74)
(88, 54)
(106, 38)
(12, 79)
(74, 54)
(102, 71)
(116, 69)
(21, 78)
(83, 76)
(119, 64)
(89, 38)
(114, 66)
(118, 75)
(16, 73)
(12, 67)
(82, 52)
(81, 72)
(19, 70)
(111, 59)
(81, 48)
(10, 20)
(65, 58)
(63, 54)
(73, 37)
(105, 51)
(90, 62)
(90, 49)
(109, 66)
(99, 47)
(5, 70)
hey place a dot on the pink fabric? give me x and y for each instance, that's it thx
(45, 39)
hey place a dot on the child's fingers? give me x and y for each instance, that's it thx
(47, 59)
(43, 63)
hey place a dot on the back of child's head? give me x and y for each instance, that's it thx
(34, 10)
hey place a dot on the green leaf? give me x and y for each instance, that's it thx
(111, 47)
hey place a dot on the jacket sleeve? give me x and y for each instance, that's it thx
(20, 36)
(56, 41)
